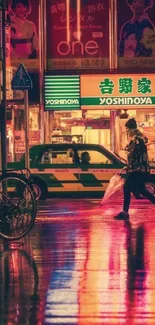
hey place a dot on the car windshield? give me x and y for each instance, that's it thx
(121, 158)
(118, 157)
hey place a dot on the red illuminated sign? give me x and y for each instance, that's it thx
(79, 34)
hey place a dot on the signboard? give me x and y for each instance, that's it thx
(79, 34)
(117, 91)
(136, 34)
(67, 138)
(34, 138)
(22, 42)
(21, 79)
(9, 76)
(62, 92)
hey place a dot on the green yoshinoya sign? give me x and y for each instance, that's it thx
(118, 101)
(114, 91)
(62, 92)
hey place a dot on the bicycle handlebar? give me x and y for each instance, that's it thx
(23, 171)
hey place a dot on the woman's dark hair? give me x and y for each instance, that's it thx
(25, 3)
(148, 3)
(131, 124)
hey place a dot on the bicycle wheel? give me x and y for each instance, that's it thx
(17, 206)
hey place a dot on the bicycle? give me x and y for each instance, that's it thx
(17, 204)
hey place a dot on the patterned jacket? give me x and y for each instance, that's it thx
(137, 153)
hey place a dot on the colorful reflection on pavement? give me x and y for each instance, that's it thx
(88, 269)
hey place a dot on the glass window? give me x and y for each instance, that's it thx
(57, 156)
(93, 157)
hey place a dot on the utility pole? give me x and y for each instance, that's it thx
(3, 22)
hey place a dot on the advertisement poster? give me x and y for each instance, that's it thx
(136, 34)
(23, 18)
(77, 34)
(34, 139)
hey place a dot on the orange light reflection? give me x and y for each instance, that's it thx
(78, 19)
(68, 20)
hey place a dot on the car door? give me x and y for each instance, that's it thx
(57, 167)
(95, 174)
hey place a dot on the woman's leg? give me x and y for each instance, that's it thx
(127, 192)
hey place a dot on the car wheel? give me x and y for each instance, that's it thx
(150, 187)
(40, 190)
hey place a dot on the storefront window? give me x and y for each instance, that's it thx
(90, 126)
(16, 130)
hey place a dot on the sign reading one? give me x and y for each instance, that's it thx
(117, 91)
(79, 34)
(62, 92)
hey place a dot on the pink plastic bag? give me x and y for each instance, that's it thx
(115, 185)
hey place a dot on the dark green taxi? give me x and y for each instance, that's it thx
(59, 169)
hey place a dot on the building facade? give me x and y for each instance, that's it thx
(92, 64)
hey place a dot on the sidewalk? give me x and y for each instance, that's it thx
(106, 267)
(73, 209)
(79, 266)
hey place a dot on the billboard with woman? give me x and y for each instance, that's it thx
(24, 27)
(136, 33)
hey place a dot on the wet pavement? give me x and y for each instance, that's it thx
(79, 266)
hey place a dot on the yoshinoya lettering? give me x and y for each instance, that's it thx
(125, 101)
(62, 102)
